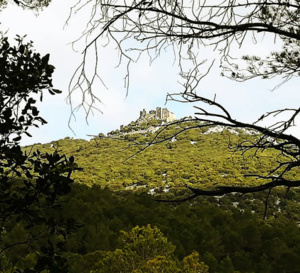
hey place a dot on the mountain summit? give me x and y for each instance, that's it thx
(147, 122)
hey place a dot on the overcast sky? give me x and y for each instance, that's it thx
(148, 88)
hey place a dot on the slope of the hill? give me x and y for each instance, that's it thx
(197, 157)
(228, 232)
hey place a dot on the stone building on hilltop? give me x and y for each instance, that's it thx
(159, 113)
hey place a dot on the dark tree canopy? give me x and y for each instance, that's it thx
(30, 183)
(184, 27)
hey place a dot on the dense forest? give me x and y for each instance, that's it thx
(114, 217)
(199, 157)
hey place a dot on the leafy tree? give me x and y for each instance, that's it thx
(184, 26)
(142, 248)
(191, 264)
(145, 249)
(147, 242)
(30, 183)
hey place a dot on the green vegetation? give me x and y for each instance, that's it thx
(143, 250)
(196, 157)
(31, 231)
(226, 237)
(109, 221)
(225, 234)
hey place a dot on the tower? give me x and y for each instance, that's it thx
(142, 113)
(165, 114)
(158, 113)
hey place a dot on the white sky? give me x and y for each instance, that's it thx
(149, 85)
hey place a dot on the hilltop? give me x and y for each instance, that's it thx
(147, 122)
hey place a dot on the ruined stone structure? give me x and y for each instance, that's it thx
(164, 114)
(143, 113)
(159, 113)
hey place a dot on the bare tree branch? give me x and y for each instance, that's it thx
(185, 26)
(222, 190)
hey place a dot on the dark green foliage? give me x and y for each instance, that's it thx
(226, 237)
(32, 233)
(145, 249)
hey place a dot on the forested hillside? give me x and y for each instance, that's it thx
(115, 192)
(198, 157)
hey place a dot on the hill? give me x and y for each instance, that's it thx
(198, 157)
(228, 233)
